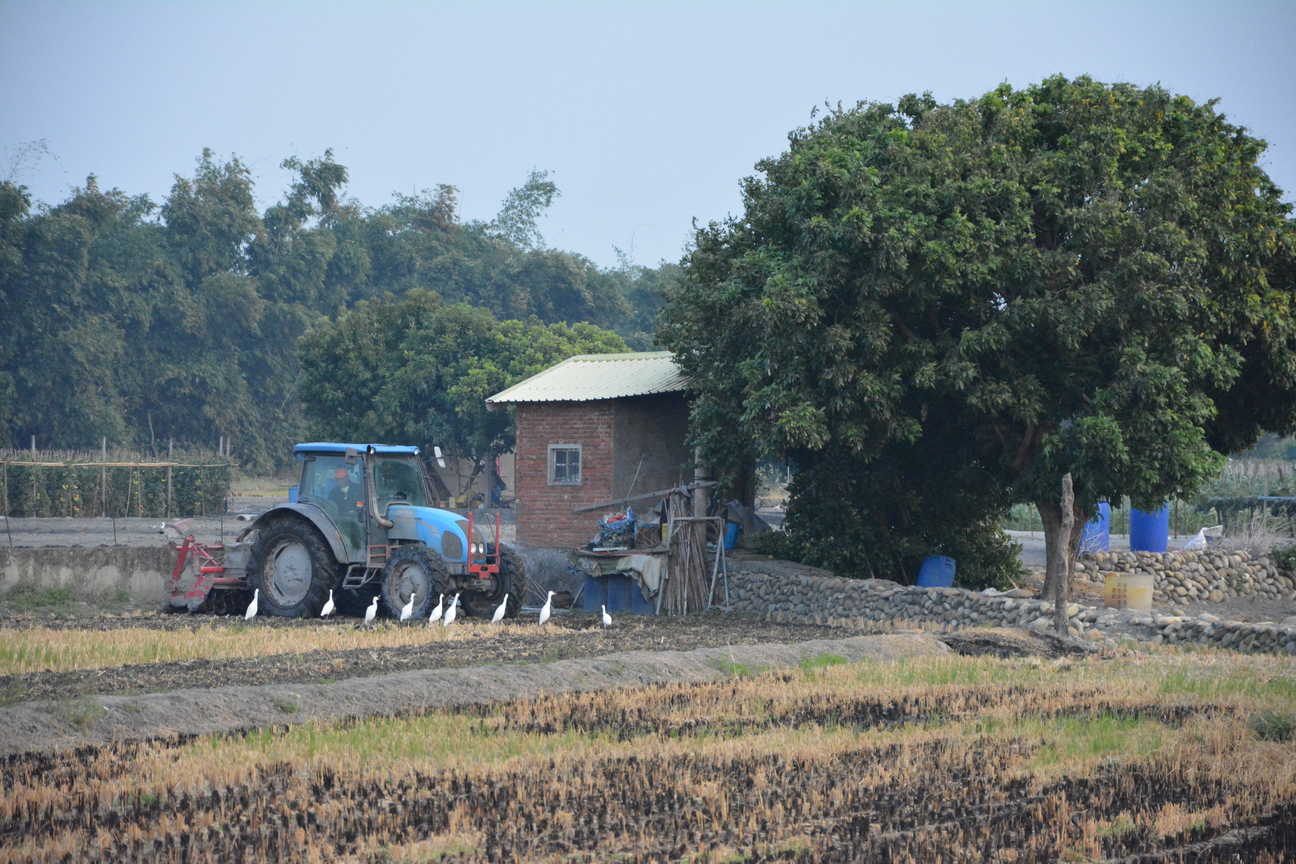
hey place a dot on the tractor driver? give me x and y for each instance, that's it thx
(344, 492)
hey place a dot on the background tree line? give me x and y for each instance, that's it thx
(141, 322)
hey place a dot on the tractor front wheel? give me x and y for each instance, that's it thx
(293, 567)
(512, 580)
(414, 569)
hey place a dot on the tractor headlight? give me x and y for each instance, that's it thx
(478, 548)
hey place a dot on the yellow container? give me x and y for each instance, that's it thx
(1129, 591)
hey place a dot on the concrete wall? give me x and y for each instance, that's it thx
(90, 572)
(648, 440)
(544, 512)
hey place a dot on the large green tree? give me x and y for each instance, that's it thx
(418, 371)
(936, 310)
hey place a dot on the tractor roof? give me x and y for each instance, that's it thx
(329, 447)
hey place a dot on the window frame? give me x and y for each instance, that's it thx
(552, 464)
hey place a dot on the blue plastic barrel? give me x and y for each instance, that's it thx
(1097, 531)
(1149, 532)
(731, 535)
(937, 572)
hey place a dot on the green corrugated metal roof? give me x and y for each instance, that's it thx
(599, 376)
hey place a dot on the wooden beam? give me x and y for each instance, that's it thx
(658, 494)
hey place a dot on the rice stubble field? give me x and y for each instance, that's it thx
(1136, 755)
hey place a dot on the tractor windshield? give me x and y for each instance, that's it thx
(399, 480)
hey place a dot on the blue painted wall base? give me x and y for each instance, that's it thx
(618, 592)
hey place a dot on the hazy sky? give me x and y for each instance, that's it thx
(648, 114)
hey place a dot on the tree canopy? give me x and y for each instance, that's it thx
(138, 322)
(417, 370)
(938, 310)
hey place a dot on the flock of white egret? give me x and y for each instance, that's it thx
(439, 614)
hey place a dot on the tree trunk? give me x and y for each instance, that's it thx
(1062, 588)
(1059, 565)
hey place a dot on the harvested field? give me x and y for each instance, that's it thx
(42, 658)
(1137, 756)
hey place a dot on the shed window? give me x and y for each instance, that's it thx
(564, 464)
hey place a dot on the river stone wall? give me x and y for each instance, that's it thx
(806, 595)
(1210, 574)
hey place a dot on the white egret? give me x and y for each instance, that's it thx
(372, 612)
(607, 619)
(436, 613)
(547, 609)
(328, 606)
(499, 611)
(408, 609)
(252, 607)
(451, 612)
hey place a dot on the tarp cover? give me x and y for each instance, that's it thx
(646, 569)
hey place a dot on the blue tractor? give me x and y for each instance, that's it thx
(362, 523)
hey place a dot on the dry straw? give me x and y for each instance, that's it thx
(954, 759)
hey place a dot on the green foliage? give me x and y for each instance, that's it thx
(140, 323)
(522, 208)
(1274, 726)
(25, 597)
(418, 371)
(1284, 557)
(936, 311)
(85, 489)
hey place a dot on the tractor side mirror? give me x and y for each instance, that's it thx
(352, 455)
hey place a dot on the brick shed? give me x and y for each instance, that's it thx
(595, 429)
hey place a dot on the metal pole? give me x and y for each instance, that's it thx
(103, 480)
(170, 445)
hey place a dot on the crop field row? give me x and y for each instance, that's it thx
(41, 649)
(947, 759)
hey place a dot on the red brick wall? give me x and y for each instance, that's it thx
(544, 512)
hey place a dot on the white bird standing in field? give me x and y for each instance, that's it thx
(408, 609)
(328, 606)
(436, 613)
(252, 607)
(547, 609)
(499, 611)
(607, 619)
(452, 611)
(372, 612)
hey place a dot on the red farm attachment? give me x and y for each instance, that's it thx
(483, 563)
(203, 572)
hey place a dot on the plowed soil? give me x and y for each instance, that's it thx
(575, 635)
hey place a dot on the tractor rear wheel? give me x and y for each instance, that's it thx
(512, 580)
(293, 567)
(414, 569)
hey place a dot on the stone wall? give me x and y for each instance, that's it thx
(790, 592)
(1186, 575)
